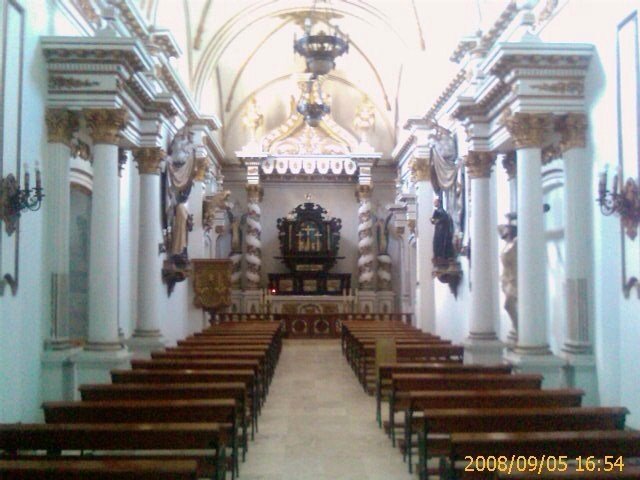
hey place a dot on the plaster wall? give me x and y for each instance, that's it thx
(617, 329)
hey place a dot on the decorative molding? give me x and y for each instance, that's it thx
(510, 165)
(61, 125)
(88, 12)
(546, 13)
(480, 164)
(363, 192)
(149, 159)
(105, 124)
(447, 93)
(572, 128)
(255, 193)
(564, 87)
(528, 130)
(57, 82)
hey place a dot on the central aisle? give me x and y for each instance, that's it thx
(318, 423)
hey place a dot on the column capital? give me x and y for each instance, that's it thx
(363, 192)
(572, 128)
(480, 164)
(551, 152)
(61, 124)
(148, 159)
(255, 192)
(105, 124)
(420, 169)
(510, 165)
(528, 130)
(202, 165)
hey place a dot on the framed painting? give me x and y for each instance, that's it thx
(11, 68)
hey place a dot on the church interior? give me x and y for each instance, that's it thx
(346, 239)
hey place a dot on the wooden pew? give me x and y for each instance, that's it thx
(223, 411)
(193, 376)
(112, 469)
(448, 421)
(209, 439)
(403, 383)
(260, 377)
(174, 391)
(430, 400)
(625, 443)
(386, 370)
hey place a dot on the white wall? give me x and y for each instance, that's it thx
(617, 323)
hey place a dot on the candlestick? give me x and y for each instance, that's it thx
(602, 185)
(38, 176)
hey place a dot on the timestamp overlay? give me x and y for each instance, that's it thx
(543, 464)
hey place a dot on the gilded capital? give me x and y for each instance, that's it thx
(202, 165)
(550, 153)
(105, 124)
(61, 124)
(420, 169)
(148, 159)
(528, 130)
(572, 128)
(254, 193)
(510, 165)
(480, 164)
(363, 192)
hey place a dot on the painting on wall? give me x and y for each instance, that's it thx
(628, 100)
(11, 61)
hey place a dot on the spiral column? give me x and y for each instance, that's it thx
(253, 253)
(366, 256)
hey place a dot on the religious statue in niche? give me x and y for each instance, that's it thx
(449, 214)
(177, 180)
(509, 280)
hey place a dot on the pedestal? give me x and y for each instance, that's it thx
(141, 347)
(548, 365)
(58, 376)
(580, 372)
(96, 366)
(477, 351)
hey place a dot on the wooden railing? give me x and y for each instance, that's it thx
(312, 325)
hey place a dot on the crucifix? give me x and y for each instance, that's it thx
(308, 230)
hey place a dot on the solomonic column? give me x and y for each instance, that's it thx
(147, 335)
(482, 345)
(105, 126)
(365, 238)
(253, 254)
(578, 269)
(531, 353)
(425, 309)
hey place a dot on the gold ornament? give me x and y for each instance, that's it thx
(528, 130)
(61, 124)
(480, 164)
(148, 159)
(106, 124)
(573, 129)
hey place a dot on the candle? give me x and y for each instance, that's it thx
(602, 186)
(620, 178)
(26, 177)
(38, 176)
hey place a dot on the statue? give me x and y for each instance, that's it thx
(443, 235)
(509, 280)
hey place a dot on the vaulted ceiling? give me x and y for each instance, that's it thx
(238, 50)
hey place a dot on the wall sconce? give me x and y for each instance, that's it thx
(13, 199)
(623, 200)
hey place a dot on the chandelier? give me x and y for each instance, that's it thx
(311, 104)
(319, 48)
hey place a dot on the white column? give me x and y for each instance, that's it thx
(577, 348)
(425, 294)
(58, 373)
(482, 345)
(531, 353)
(60, 126)
(103, 260)
(147, 334)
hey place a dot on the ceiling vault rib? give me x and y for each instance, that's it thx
(189, 46)
(417, 17)
(246, 62)
(375, 72)
(197, 41)
(223, 127)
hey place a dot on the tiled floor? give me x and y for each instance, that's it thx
(318, 423)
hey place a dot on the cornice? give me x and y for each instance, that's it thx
(447, 93)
